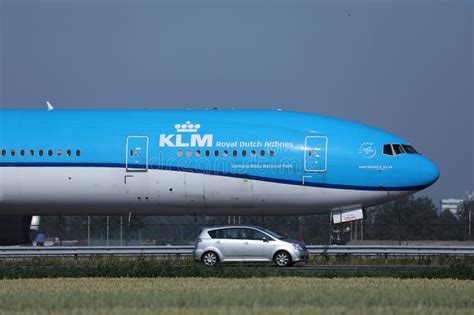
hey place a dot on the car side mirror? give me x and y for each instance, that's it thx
(264, 239)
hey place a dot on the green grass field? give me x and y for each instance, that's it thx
(236, 296)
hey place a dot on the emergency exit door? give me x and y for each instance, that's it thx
(316, 153)
(137, 154)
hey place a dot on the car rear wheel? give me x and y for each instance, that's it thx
(210, 259)
(283, 259)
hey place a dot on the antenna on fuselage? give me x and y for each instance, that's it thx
(50, 107)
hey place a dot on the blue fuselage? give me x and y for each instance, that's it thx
(276, 147)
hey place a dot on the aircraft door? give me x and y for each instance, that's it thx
(137, 154)
(315, 154)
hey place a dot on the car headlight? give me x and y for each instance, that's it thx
(298, 247)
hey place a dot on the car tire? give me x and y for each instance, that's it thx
(210, 258)
(283, 259)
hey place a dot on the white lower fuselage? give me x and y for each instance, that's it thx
(108, 191)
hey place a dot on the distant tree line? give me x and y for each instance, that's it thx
(408, 219)
(416, 218)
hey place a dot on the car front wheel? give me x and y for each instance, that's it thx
(210, 259)
(283, 259)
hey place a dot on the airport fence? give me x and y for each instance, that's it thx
(119, 233)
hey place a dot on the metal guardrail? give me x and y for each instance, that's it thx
(95, 251)
(362, 250)
(392, 250)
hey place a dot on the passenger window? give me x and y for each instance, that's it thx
(216, 152)
(179, 153)
(253, 153)
(262, 152)
(40, 152)
(244, 153)
(4, 152)
(50, 152)
(12, 152)
(225, 153)
(198, 153)
(387, 149)
(208, 153)
(78, 152)
(68, 152)
(132, 153)
(189, 153)
(272, 153)
(60, 152)
(22, 152)
(234, 153)
(32, 152)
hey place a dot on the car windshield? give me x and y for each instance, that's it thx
(272, 234)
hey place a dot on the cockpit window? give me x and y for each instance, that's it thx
(398, 149)
(387, 149)
(409, 149)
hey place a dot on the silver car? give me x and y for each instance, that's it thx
(247, 243)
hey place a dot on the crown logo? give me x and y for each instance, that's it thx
(187, 127)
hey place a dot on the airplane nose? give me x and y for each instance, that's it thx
(429, 172)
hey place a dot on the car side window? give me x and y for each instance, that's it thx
(251, 234)
(231, 233)
(212, 234)
(259, 235)
(236, 233)
(220, 233)
(244, 234)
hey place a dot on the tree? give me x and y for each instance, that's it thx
(448, 224)
(421, 219)
(389, 220)
(466, 216)
(409, 218)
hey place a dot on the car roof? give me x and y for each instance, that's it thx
(231, 226)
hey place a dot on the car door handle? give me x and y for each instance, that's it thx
(218, 242)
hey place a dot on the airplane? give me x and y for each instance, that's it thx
(197, 162)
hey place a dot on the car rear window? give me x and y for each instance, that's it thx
(213, 233)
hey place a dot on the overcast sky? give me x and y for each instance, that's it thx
(403, 66)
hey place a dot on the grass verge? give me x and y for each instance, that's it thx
(272, 295)
(149, 267)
